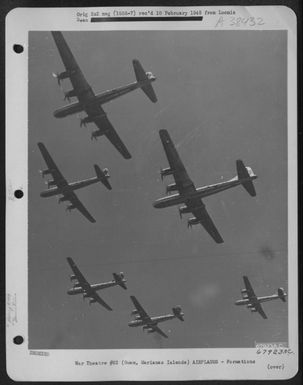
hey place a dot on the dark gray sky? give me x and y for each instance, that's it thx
(222, 96)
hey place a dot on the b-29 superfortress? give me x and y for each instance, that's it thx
(252, 302)
(190, 196)
(59, 185)
(91, 103)
(81, 285)
(151, 323)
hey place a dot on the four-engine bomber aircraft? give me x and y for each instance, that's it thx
(91, 103)
(150, 323)
(81, 286)
(67, 189)
(253, 302)
(191, 196)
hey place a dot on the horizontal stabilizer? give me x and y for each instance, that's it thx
(146, 78)
(103, 176)
(246, 175)
(119, 278)
(282, 295)
(178, 313)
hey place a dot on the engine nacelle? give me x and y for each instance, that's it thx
(92, 300)
(244, 291)
(192, 221)
(253, 310)
(183, 210)
(137, 317)
(151, 330)
(86, 120)
(171, 187)
(134, 312)
(72, 277)
(250, 306)
(51, 183)
(70, 207)
(61, 76)
(69, 94)
(45, 172)
(85, 295)
(165, 172)
(62, 199)
(146, 327)
(76, 285)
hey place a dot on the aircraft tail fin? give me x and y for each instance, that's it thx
(146, 78)
(119, 278)
(103, 176)
(246, 176)
(282, 295)
(178, 313)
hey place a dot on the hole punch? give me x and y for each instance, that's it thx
(18, 194)
(18, 48)
(18, 340)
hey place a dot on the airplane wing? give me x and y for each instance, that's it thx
(143, 315)
(72, 197)
(183, 181)
(250, 292)
(98, 299)
(259, 309)
(253, 299)
(85, 285)
(198, 209)
(80, 277)
(80, 85)
(158, 330)
(106, 128)
(52, 167)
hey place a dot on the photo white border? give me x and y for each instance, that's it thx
(59, 365)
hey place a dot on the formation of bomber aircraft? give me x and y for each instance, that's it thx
(252, 302)
(82, 286)
(183, 191)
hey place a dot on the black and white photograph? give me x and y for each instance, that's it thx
(160, 185)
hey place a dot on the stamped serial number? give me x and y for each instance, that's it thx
(239, 21)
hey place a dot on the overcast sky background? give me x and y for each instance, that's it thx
(222, 97)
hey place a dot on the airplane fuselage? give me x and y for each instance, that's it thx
(94, 287)
(98, 99)
(200, 192)
(267, 298)
(155, 320)
(69, 187)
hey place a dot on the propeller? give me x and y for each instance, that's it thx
(82, 122)
(189, 225)
(180, 213)
(66, 97)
